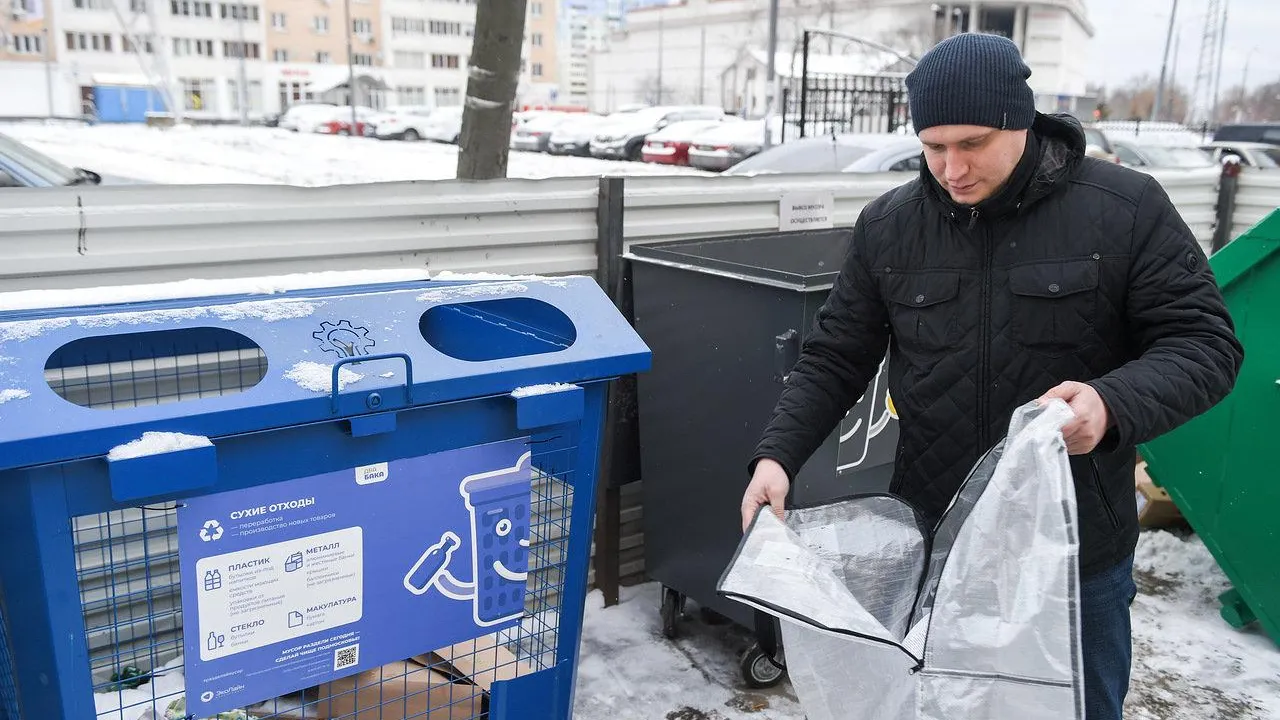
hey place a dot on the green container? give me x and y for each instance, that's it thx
(1221, 469)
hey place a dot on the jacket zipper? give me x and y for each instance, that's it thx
(984, 331)
(1102, 494)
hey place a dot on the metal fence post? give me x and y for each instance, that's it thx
(620, 461)
(1228, 186)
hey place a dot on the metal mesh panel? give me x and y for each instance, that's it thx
(8, 690)
(127, 566)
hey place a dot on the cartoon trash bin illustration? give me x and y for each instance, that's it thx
(498, 502)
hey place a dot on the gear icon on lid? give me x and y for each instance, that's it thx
(344, 339)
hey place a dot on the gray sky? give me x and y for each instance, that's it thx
(1130, 37)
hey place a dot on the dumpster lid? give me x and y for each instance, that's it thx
(804, 260)
(162, 364)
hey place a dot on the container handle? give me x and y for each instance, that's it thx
(408, 374)
(786, 353)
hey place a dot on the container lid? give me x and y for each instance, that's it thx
(805, 260)
(78, 381)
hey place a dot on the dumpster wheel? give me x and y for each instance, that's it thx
(758, 669)
(672, 609)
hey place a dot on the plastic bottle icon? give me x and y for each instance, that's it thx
(212, 580)
(498, 502)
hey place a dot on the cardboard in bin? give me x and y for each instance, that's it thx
(1155, 508)
(481, 661)
(396, 691)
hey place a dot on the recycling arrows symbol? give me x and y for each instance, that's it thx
(211, 531)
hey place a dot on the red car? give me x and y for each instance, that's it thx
(670, 145)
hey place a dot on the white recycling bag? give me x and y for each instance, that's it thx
(976, 618)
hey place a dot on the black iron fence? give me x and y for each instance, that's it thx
(824, 103)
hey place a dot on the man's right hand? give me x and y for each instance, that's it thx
(768, 486)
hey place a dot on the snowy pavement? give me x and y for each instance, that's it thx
(260, 155)
(1188, 663)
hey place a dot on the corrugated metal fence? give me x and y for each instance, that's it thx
(78, 237)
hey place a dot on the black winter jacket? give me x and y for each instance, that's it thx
(1079, 270)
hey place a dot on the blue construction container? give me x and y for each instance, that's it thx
(126, 104)
(367, 501)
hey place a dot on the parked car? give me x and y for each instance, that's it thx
(723, 147)
(1098, 145)
(670, 145)
(573, 136)
(1137, 154)
(404, 122)
(534, 134)
(297, 115)
(23, 167)
(444, 125)
(850, 153)
(338, 121)
(1249, 132)
(624, 138)
(1253, 154)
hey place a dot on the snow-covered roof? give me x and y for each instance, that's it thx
(121, 80)
(870, 62)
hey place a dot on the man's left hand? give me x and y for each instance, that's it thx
(1085, 431)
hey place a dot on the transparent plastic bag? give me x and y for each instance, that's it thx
(977, 617)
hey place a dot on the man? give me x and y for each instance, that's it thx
(1014, 269)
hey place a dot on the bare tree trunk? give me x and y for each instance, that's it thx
(491, 89)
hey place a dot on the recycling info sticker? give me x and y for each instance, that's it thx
(293, 584)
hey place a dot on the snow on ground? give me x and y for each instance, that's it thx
(260, 155)
(1188, 663)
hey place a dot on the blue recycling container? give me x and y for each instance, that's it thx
(369, 501)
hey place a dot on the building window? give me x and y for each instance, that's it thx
(446, 62)
(280, 55)
(183, 47)
(246, 50)
(279, 22)
(293, 92)
(448, 96)
(321, 24)
(91, 4)
(362, 26)
(234, 11)
(322, 57)
(362, 59)
(254, 95)
(536, 39)
(197, 93)
(138, 6)
(535, 9)
(27, 45)
(410, 60)
(408, 26)
(444, 27)
(411, 96)
(147, 45)
(191, 8)
(95, 42)
(537, 70)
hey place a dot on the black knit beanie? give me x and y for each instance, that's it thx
(972, 79)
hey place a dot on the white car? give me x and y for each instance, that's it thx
(444, 125)
(623, 138)
(295, 116)
(406, 122)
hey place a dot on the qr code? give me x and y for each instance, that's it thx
(346, 657)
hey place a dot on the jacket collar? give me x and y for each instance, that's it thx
(1055, 147)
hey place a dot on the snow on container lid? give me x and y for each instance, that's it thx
(189, 357)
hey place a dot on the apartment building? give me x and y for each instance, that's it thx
(306, 52)
(145, 55)
(27, 52)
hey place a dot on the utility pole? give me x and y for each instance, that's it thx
(1217, 78)
(351, 68)
(659, 100)
(48, 70)
(242, 84)
(771, 79)
(702, 67)
(1164, 66)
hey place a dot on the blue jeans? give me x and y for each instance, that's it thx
(1106, 639)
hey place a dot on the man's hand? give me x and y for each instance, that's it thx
(768, 486)
(1085, 431)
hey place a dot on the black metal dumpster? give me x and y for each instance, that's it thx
(725, 318)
